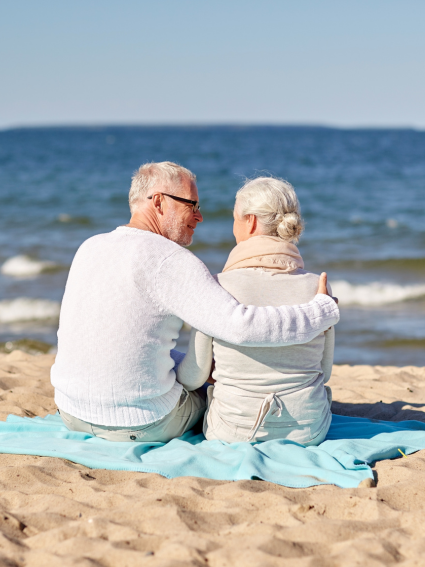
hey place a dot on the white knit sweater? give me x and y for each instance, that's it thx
(127, 295)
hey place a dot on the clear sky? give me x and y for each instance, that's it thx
(330, 62)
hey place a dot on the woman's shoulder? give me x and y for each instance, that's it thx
(252, 273)
(306, 274)
(310, 277)
(256, 286)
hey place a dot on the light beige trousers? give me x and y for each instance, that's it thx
(216, 427)
(189, 410)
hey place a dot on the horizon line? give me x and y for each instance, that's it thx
(206, 124)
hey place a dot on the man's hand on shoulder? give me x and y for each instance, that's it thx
(323, 281)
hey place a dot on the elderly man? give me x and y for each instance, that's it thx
(127, 295)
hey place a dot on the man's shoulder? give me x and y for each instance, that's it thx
(146, 251)
(92, 242)
(128, 236)
(152, 247)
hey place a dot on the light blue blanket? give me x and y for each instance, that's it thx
(342, 459)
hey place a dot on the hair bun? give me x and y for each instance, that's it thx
(282, 216)
(289, 225)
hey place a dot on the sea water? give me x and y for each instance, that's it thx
(362, 194)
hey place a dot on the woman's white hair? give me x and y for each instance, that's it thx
(166, 174)
(274, 202)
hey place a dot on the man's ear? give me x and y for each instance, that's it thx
(157, 203)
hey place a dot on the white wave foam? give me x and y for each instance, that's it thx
(24, 266)
(27, 309)
(64, 218)
(375, 293)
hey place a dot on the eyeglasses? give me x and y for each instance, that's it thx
(195, 204)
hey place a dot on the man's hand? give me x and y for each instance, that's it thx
(323, 281)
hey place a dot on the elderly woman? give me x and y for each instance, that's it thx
(264, 393)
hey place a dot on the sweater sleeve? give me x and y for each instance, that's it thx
(186, 289)
(328, 351)
(328, 354)
(195, 368)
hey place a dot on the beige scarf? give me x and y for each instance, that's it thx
(264, 252)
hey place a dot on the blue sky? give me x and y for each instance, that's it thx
(330, 62)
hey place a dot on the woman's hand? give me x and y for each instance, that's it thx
(323, 281)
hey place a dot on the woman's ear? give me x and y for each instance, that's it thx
(252, 223)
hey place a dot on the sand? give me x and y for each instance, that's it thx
(54, 512)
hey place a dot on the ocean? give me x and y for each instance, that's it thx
(361, 193)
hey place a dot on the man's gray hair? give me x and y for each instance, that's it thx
(274, 202)
(166, 175)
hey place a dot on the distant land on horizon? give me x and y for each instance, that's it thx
(200, 125)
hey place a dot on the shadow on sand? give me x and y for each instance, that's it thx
(396, 411)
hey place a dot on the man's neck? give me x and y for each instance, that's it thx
(145, 220)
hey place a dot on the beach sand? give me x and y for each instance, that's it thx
(54, 512)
